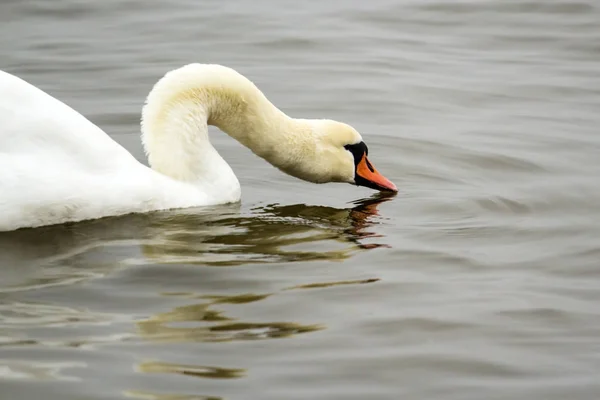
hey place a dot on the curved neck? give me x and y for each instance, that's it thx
(186, 100)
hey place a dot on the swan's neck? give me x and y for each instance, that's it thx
(186, 100)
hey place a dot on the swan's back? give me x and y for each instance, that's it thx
(56, 166)
(36, 125)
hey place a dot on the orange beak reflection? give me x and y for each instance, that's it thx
(367, 175)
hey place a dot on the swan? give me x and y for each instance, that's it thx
(56, 166)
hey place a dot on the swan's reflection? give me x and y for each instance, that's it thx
(216, 236)
(210, 325)
(137, 394)
(273, 233)
(202, 322)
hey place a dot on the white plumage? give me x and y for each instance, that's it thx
(56, 166)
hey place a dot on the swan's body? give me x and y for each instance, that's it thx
(56, 166)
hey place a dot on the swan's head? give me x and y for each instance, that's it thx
(340, 155)
(185, 100)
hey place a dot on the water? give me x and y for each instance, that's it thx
(480, 279)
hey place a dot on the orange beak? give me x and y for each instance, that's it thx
(367, 175)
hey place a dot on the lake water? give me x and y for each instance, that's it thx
(479, 280)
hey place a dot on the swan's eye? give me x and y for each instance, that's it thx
(358, 150)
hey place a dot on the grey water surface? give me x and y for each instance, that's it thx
(479, 280)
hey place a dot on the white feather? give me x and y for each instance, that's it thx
(56, 166)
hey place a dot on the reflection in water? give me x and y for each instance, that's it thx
(216, 236)
(191, 370)
(154, 396)
(33, 259)
(330, 284)
(271, 234)
(218, 327)
(37, 371)
(199, 323)
(212, 326)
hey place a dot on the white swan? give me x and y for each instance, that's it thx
(56, 166)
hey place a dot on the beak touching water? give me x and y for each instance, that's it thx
(367, 175)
